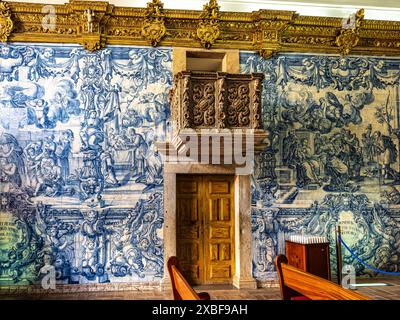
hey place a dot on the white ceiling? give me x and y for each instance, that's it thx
(374, 9)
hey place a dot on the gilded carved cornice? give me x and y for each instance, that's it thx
(264, 31)
(154, 25)
(349, 36)
(209, 30)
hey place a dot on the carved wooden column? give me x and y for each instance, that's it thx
(256, 103)
(221, 102)
(187, 112)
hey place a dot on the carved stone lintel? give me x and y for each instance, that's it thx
(349, 36)
(209, 30)
(153, 28)
(6, 23)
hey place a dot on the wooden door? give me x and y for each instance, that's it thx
(205, 228)
(189, 229)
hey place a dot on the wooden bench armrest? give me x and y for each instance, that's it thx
(295, 282)
(180, 287)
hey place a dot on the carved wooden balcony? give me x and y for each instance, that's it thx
(216, 100)
(216, 106)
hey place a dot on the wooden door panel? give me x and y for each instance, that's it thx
(220, 251)
(187, 187)
(219, 187)
(190, 243)
(225, 251)
(219, 232)
(220, 209)
(189, 251)
(219, 273)
(189, 225)
(205, 234)
(214, 252)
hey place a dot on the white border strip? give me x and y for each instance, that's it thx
(390, 12)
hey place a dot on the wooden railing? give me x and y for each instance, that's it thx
(295, 284)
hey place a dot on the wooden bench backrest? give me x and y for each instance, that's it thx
(180, 287)
(294, 281)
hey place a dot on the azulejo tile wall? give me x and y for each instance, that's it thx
(333, 158)
(81, 181)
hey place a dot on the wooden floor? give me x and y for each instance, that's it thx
(391, 292)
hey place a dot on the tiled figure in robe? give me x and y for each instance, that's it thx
(64, 103)
(92, 89)
(11, 163)
(108, 170)
(112, 109)
(139, 147)
(63, 151)
(49, 178)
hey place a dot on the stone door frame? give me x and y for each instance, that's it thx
(243, 277)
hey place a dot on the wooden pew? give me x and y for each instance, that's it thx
(180, 287)
(299, 285)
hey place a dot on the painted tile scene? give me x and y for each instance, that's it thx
(231, 150)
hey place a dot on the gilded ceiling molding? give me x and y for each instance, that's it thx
(349, 36)
(91, 19)
(265, 31)
(154, 25)
(209, 30)
(6, 23)
(269, 25)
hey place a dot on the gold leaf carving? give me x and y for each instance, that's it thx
(6, 24)
(208, 30)
(92, 26)
(266, 54)
(154, 25)
(93, 42)
(349, 37)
